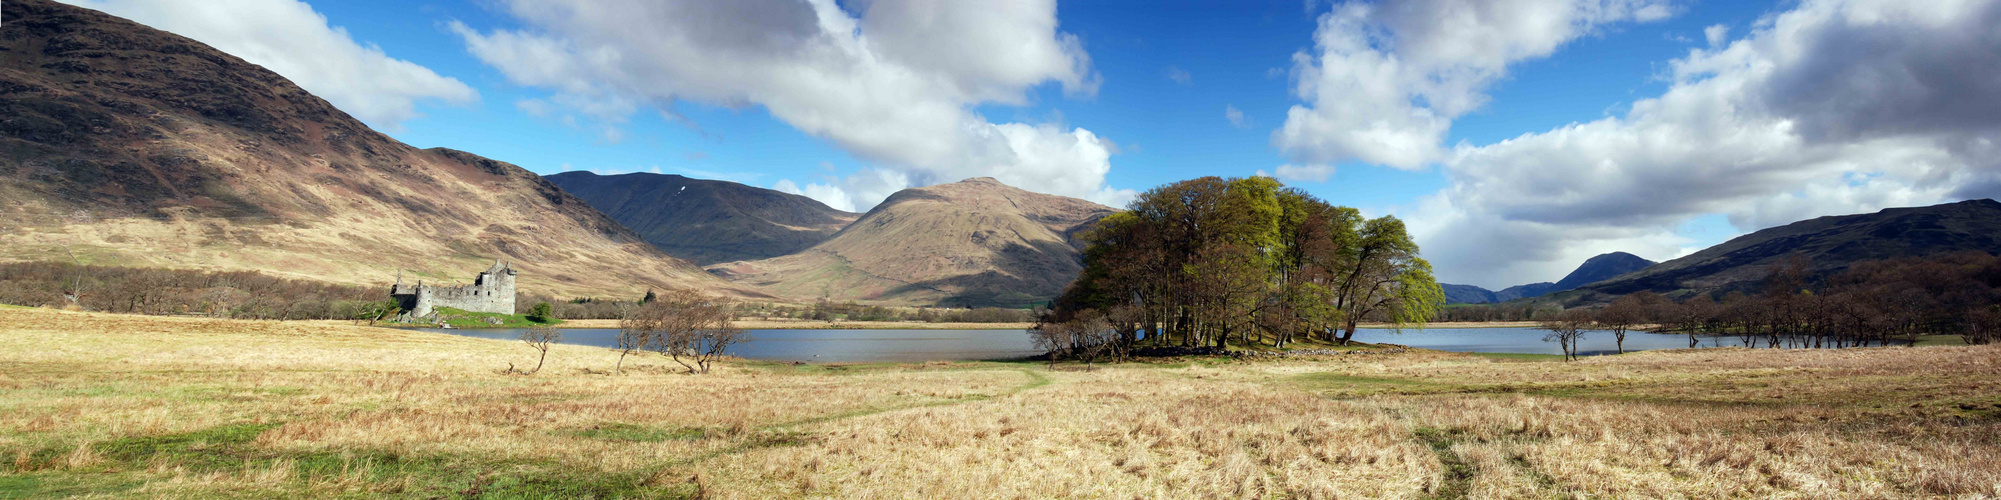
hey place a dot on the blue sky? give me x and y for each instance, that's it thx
(1150, 82)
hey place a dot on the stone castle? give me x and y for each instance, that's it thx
(492, 292)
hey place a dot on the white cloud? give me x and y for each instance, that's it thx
(1716, 35)
(1314, 173)
(290, 39)
(1178, 75)
(1235, 116)
(895, 84)
(1385, 81)
(1834, 107)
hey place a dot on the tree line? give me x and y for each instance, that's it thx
(226, 294)
(1870, 303)
(1210, 261)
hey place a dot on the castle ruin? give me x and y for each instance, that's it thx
(491, 292)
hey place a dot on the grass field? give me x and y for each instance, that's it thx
(99, 405)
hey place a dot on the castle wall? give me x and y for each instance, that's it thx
(492, 292)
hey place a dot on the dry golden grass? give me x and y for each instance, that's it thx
(123, 406)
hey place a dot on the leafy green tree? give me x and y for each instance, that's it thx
(540, 313)
(1209, 261)
(1385, 280)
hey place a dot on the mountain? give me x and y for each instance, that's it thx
(1594, 269)
(1601, 268)
(1830, 244)
(971, 243)
(707, 221)
(1467, 294)
(125, 145)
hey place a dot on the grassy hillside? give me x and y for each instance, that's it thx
(129, 146)
(1830, 244)
(974, 243)
(260, 409)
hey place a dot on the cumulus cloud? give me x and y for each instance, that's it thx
(1834, 107)
(1384, 81)
(289, 38)
(1314, 173)
(1716, 35)
(895, 84)
(1235, 116)
(1178, 75)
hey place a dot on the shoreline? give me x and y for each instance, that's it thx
(791, 324)
(780, 324)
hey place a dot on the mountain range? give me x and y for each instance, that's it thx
(125, 145)
(707, 221)
(1829, 244)
(1595, 269)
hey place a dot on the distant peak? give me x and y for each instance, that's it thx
(1616, 255)
(983, 180)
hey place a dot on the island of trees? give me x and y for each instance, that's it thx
(1214, 261)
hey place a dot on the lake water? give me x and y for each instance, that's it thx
(1524, 340)
(943, 345)
(909, 346)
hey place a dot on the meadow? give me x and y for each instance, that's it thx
(113, 406)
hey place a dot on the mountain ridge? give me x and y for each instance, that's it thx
(1830, 244)
(977, 242)
(1597, 268)
(714, 222)
(126, 145)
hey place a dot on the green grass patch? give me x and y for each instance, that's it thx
(467, 319)
(638, 433)
(231, 449)
(1458, 474)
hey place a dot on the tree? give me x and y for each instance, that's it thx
(540, 338)
(1386, 280)
(639, 330)
(1211, 261)
(692, 329)
(1622, 314)
(539, 313)
(1566, 329)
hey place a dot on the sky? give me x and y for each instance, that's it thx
(1515, 137)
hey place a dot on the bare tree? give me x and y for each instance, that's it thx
(1566, 329)
(1055, 339)
(692, 329)
(1620, 316)
(640, 329)
(540, 338)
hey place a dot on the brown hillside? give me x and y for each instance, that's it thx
(971, 243)
(125, 145)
